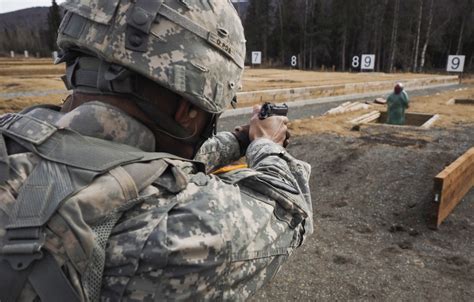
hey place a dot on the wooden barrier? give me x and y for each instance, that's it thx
(464, 101)
(453, 183)
(422, 120)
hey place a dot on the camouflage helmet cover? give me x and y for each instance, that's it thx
(194, 48)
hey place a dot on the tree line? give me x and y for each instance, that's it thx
(405, 35)
(34, 30)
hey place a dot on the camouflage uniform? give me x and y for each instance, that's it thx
(187, 235)
(120, 221)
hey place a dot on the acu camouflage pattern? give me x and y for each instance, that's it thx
(177, 234)
(205, 69)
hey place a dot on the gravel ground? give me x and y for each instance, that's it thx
(374, 215)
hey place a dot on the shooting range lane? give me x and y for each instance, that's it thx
(317, 107)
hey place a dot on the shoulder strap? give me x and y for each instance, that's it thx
(73, 149)
(4, 161)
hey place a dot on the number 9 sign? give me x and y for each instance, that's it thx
(368, 62)
(456, 63)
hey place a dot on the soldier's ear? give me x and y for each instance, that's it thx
(185, 114)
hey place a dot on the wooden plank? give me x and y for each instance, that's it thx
(366, 118)
(464, 101)
(430, 122)
(453, 183)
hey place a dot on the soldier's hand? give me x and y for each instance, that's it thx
(241, 133)
(273, 128)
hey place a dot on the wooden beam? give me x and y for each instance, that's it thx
(366, 118)
(464, 101)
(453, 183)
(430, 122)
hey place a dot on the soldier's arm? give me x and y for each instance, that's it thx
(218, 151)
(282, 178)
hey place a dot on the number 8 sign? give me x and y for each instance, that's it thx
(456, 63)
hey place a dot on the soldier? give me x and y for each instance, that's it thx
(99, 198)
(397, 102)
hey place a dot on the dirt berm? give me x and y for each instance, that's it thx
(373, 208)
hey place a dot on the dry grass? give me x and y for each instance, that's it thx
(254, 79)
(31, 70)
(24, 75)
(12, 84)
(17, 104)
(262, 79)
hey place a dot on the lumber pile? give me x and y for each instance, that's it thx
(453, 183)
(366, 118)
(348, 107)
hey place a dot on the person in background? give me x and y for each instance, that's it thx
(397, 102)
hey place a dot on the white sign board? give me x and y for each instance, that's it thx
(26, 54)
(55, 56)
(456, 63)
(256, 57)
(294, 61)
(12, 54)
(368, 62)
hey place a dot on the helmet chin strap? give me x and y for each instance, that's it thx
(91, 75)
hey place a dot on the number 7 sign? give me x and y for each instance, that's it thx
(256, 57)
(456, 63)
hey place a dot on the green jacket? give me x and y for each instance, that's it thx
(396, 105)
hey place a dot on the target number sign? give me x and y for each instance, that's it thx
(456, 63)
(294, 61)
(355, 62)
(367, 62)
(256, 57)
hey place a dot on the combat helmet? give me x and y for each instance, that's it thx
(194, 48)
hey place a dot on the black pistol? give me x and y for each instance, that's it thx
(269, 109)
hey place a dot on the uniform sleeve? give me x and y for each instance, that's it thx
(222, 238)
(218, 151)
(283, 178)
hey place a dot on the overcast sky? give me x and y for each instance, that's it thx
(12, 5)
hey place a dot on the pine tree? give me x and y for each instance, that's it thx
(54, 20)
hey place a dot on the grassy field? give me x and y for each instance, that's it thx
(41, 74)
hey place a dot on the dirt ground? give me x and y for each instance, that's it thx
(374, 212)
